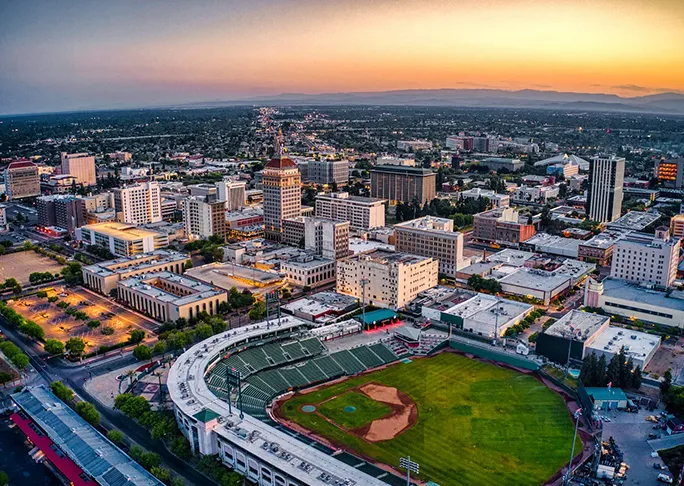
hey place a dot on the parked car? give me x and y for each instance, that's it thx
(664, 478)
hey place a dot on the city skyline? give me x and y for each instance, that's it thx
(94, 55)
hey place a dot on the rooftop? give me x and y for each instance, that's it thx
(638, 345)
(377, 315)
(145, 285)
(228, 275)
(125, 265)
(529, 278)
(402, 169)
(516, 258)
(89, 449)
(606, 239)
(581, 325)
(601, 393)
(564, 159)
(389, 257)
(635, 220)
(122, 231)
(623, 290)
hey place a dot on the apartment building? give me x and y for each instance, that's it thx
(309, 270)
(677, 226)
(138, 204)
(386, 279)
(403, 184)
(122, 239)
(502, 225)
(670, 172)
(432, 237)
(606, 178)
(64, 211)
(363, 213)
(203, 219)
(647, 259)
(22, 180)
(327, 238)
(81, 166)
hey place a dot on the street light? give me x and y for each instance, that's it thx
(578, 414)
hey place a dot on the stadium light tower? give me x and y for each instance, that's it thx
(364, 282)
(410, 466)
(578, 414)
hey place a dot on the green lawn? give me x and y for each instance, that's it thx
(478, 424)
(367, 410)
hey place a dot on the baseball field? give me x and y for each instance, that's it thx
(466, 422)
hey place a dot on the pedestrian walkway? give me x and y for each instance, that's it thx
(104, 388)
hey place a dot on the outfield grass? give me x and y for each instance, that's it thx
(367, 410)
(478, 424)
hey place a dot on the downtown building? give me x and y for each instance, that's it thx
(363, 213)
(22, 180)
(432, 237)
(203, 218)
(63, 211)
(403, 184)
(386, 279)
(647, 259)
(122, 239)
(233, 193)
(606, 178)
(327, 172)
(502, 226)
(81, 166)
(282, 195)
(670, 172)
(138, 204)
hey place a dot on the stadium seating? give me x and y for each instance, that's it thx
(348, 362)
(367, 357)
(383, 352)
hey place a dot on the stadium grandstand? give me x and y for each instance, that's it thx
(220, 415)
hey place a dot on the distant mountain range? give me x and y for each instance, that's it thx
(665, 103)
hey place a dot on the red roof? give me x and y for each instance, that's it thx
(18, 164)
(65, 465)
(281, 163)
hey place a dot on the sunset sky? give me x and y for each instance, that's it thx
(84, 54)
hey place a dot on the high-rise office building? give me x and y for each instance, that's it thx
(403, 184)
(328, 171)
(22, 180)
(282, 193)
(645, 259)
(606, 177)
(233, 193)
(670, 172)
(327, 238)
(63, 211)
(432, 237)
(81, 166)
(204, 217)
(138, 204)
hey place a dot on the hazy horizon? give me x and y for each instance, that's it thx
(86, 55)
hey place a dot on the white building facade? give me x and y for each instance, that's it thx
(606, 178)
(138, 204)
(363, 213)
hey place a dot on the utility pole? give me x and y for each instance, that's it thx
(496, 324)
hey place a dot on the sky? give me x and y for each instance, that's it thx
(58, 55)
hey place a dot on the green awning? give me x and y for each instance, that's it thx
(378, 316)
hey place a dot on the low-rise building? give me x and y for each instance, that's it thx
(309, 270)
(166, 296)
(634, 221)
(622, 298)
(498, 200)
(498, 163)
(502, 226)
(414, 145)
(639, 346)
(322, 307)
(571, 336)
(122, 239)
(539, 284)
(536, 194)
(432, 237)
(386, 279)
(103, 277)
(599, 249)
(553, 245)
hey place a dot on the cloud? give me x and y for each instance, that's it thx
(632, 87)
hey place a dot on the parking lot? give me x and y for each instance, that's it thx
(58, 325)
(630, 431)
(22, 264)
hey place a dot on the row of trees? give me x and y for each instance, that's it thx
(40, 277)
(11, 284)
(526, 323)
(14, 354)
(84, 409)
(620, 371)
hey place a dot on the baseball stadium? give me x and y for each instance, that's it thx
(286, 404)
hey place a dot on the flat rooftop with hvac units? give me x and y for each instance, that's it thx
(229, 275)
(166, 296)
(583, 333)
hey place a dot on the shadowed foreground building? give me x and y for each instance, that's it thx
(403, 184)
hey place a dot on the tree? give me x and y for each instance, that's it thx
(177, 481)
(4, 478)
(588, 373)
(21, 361)
(257, 311)
(231, 479)
(187, 265)
(73, 274)
(5, 378)
(666, 384)
(130, 405)
(62, 391)
(601, 371)
(142, 352)
(75, 346)
(159, 347)
(116, 436)
(136, 336)
(150, 460)
(32, 330)
(9, 349)
(636, 378)
(93, 324)
(161, 474)
(53, 346)
(613, 372)
(88, 412)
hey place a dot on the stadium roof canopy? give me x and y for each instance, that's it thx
(378, 316)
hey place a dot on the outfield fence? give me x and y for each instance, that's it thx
(492, 353)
